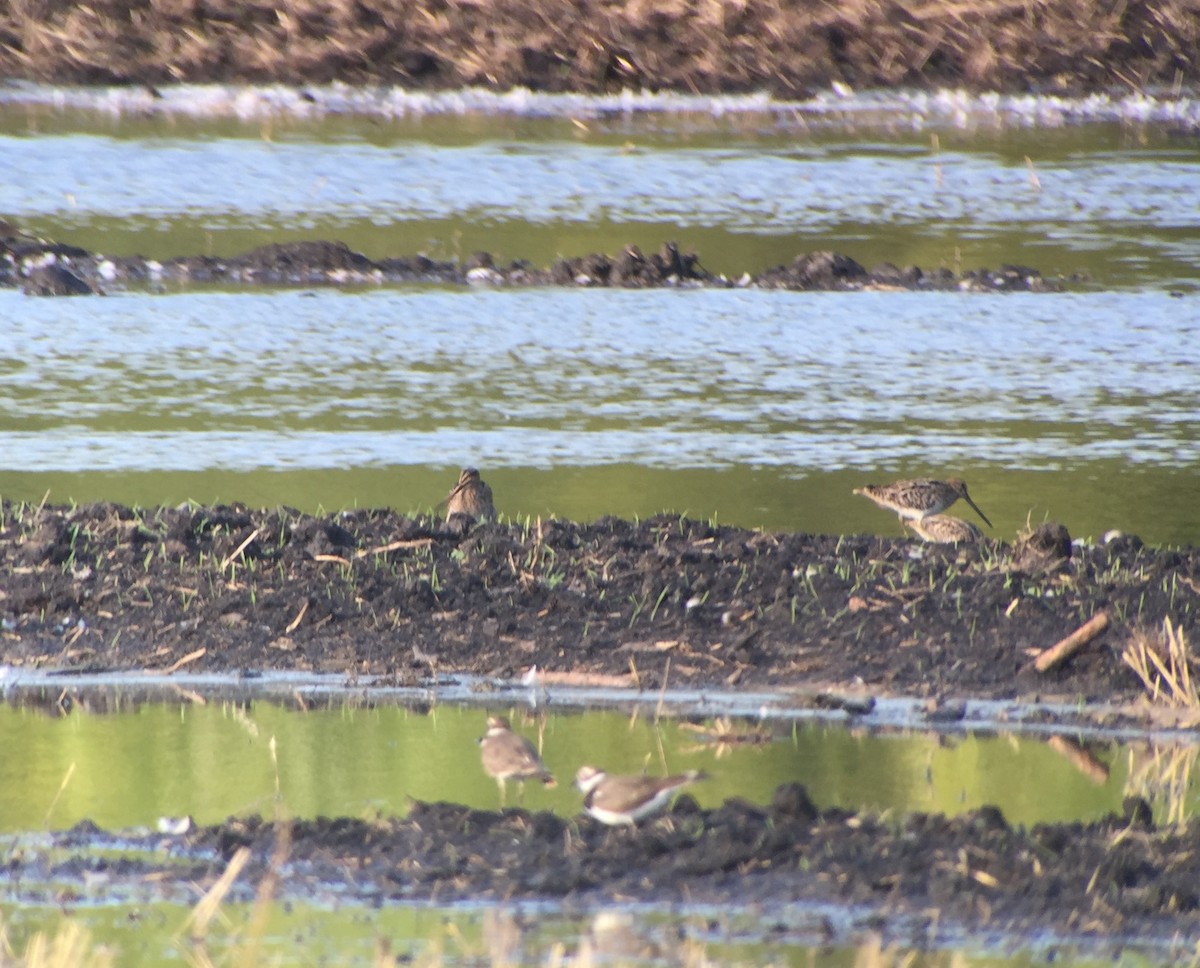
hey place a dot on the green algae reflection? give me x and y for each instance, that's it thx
(220, 759)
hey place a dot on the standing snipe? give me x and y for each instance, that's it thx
(918, 499)
(470, 496)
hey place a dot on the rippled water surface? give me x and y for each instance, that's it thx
(760, 408)
(752, 406)
(1115, 203)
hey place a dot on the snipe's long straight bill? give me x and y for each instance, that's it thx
(967, 498)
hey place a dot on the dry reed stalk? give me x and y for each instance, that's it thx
(206, 909)
(71, 946)
(57, 796)
(237, 552)
(1162, 774)
(1163, 663)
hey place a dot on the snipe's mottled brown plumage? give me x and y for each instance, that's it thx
(470, 496)
(944, 529)
(921, 498)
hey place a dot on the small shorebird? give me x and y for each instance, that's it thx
(921, 498)
(627, 799)
(470, 496)
(944, 529)
(510, 756)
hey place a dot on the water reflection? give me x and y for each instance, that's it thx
(300, 934)
(146, 761)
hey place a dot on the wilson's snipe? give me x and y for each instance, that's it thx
(919, 499)
(470, 496)
(944, 529)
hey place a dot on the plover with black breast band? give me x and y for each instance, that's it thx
(616, 800)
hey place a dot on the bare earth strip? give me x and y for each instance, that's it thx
(787, 49)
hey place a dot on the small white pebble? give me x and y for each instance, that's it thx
(175, 826)
(483, 276)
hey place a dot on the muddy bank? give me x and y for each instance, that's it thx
(920, 879)
(789, 50)
(44, 268)
(103, 586)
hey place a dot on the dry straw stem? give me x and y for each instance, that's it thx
(1163, 663)
(703, 46)
(1162, 774)
(208, 906)
(71, 946)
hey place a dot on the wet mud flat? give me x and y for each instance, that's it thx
(920, 880)
(43, 267)
(667, 601)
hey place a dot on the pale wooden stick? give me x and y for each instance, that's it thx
(413, 543)
(180, 663)
(1057, 654)
(240, 548)
(295, 623)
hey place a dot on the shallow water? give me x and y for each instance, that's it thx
(337, 758)
(1116, 204)
(152, 934)
(212, 759)
(148, 760)
(756, 408)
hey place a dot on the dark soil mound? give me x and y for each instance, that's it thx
(371, 591)
(48, 268)
(921, 877)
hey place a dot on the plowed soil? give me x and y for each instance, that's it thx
(789, 49)
(372, 591)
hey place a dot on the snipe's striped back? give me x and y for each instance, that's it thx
(920, 498)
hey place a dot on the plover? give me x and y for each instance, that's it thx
(617, 800)
(510, 756)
